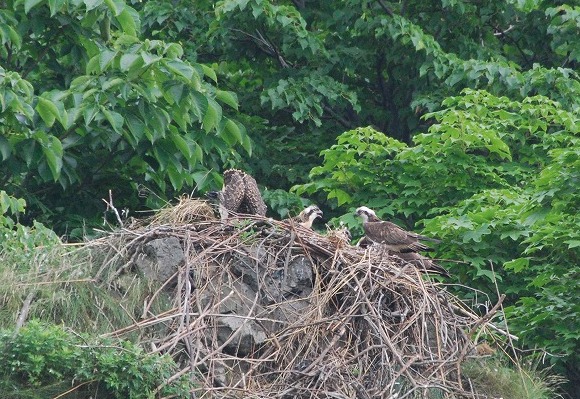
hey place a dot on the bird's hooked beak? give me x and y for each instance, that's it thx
(318, 213)
(213, 195)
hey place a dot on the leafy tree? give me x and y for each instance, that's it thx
(99, 95)
(88, 104)
(303, 71)
(495, 179)
(306, 71)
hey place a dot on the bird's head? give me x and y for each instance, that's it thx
(312, 212)
(213, 195)
(365, 213)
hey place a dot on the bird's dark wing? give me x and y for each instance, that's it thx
(253, 203)
(423, 263)
(422, 237)
(233, 191)
(393, 236)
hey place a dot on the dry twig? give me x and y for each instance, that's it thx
(369, 326)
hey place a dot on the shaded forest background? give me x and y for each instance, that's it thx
(455, 118)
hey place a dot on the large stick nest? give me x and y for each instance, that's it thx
(364, 325)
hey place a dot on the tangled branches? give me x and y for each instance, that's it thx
(262, 308)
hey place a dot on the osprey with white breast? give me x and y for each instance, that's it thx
(307, 216)
(391, 236)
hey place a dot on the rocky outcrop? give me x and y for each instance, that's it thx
(257, 297)
(160, 259)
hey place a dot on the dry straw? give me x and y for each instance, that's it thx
(370, 325)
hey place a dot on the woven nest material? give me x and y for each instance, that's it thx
(365, 324)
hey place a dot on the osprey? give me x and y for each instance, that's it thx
(307, 216)
(240, 194)
(423, 263)
(389, 234)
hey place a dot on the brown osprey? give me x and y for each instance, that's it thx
(307, 216)
(240, 194)
(423, 263)
(389, 234)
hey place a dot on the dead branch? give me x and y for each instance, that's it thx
(367, 325)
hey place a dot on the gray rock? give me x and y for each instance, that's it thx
(299, 278)
(244, 335)
(160, 259)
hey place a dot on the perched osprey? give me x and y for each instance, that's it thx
(240, 194)
(389, 234)
(307, 216)
(423, 263)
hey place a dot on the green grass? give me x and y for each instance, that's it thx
(498, 378)
(61, 281)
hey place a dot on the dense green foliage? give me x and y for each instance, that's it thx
(472, 114)
(89, 105)
(43, 361)
(498, 187)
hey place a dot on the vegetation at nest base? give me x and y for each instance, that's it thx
(455, 119)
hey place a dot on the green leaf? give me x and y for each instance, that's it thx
(52, 150)
(28, 151)
(149, 58)
(15, 37)
(89, 113)
(489, 274)
(176, 92)
(128, 22)
(231, 132)
(5, 148)
(180, 68)
(115, 119)
(246, 141)
(173, 50)
(163, 155)
(128, 60)
(92, 4)
(93, 66)
(517, 265)
(477, 234)
(199, 105)
(116, 7)
(197, 152)
(69, 117)
(175, 177)
(55, 6)
(181, 145)
(228, 98)
(341, 196)
(47, 110)
(136, 127)
(28, 4)
(112, 83)
(209, 72)
(212, 116)
(572, 243)
(105, 59)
